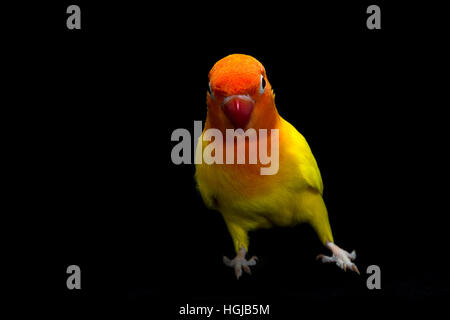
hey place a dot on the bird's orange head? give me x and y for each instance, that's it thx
(240, 96)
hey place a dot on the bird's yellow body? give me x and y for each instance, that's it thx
(249, 200)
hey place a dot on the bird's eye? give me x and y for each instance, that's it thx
(210, 91)
(262, 85)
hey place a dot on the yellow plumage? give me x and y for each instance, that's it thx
(250, 201)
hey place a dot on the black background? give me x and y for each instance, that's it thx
(97, 107)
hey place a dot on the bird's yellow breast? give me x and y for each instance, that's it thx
(243, 195)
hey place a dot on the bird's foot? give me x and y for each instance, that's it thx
(342, 258)
(239, 263)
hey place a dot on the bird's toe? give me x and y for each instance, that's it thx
(239, 263)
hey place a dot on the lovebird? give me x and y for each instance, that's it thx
(240, 97)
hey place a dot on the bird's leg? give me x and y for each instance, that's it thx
(342, 258)
(239, 262)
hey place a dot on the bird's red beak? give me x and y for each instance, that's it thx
(238, 110)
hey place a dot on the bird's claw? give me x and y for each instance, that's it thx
(239, 263)
(342, 258)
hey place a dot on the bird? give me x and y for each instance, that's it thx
(240, 96)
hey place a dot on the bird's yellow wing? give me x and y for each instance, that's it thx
(299, 159)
